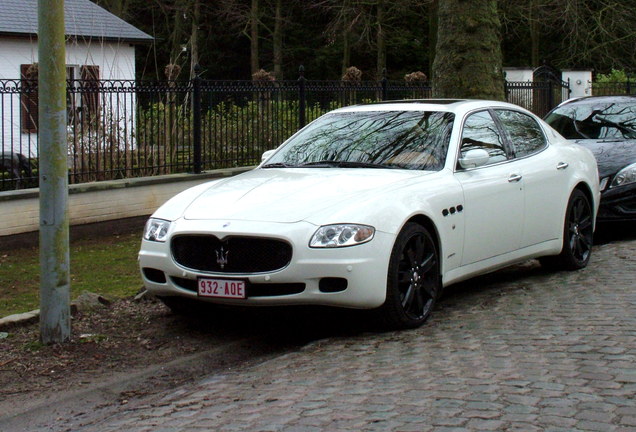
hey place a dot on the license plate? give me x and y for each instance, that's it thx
(222, 288)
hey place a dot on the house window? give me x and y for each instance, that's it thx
(82, 97)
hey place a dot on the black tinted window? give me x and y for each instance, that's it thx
(480, 132)
(595, 120)
(525, 133)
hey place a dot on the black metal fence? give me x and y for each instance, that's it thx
(123, 129)
(614, 88)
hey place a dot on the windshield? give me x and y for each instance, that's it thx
(611, 121)
(377, 139)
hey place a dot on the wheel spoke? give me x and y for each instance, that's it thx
(410, 253)
(408, 297)
(427, 263)
(585, 223)
(419, 249)
(418, 310)
(428, 289)
(576, 211)
(404, 278)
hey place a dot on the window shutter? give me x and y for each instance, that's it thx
(90, 94)
(29, 97)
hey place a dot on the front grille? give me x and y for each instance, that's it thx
(252, 289)
(231, 255)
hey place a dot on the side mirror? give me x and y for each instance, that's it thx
(267, 155)
(474, 158)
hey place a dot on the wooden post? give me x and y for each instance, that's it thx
(55, 323)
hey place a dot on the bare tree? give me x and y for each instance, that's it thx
(366, 23)
(574, 33)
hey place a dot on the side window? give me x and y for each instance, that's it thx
(480, 132)
(525, 133)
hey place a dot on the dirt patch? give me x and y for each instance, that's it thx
(123, 338)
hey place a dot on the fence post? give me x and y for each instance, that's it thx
(385, 84)
(302, 100)
(196, 119)
(628, 86)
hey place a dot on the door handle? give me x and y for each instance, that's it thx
(514, 178)
(562, 165)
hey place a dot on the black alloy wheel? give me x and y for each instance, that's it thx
(413, 282)
(578, 235)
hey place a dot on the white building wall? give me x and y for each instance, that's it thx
(116, 62)
(580, 82)
(518, 74)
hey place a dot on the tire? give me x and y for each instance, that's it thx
(413, 282)
(578, 234)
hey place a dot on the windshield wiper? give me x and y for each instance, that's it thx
(345, 164)
(320, 164)
(342, 164)
(278, 165)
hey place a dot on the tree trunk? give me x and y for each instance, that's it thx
(380, 40)
(346, 37)
(175, 36)
(468, 61)
(194, 37)
(254, 63)
(534, 34)
(432, 34)
(278, 41)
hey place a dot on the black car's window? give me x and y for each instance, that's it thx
(525, 133)
(480, 132)
(381, 139)
(589, 119)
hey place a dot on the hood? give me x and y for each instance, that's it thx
(611, 156)
(290, 195)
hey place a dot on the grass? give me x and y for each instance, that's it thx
(104, 265)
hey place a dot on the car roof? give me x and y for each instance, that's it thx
(446, 105)
(598, 99)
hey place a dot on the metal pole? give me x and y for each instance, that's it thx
(384, 82)
(302, 98)
(55, 323)
(196, 119)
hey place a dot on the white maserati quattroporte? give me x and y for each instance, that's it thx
(379, 206)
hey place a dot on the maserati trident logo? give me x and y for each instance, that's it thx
(221, 257)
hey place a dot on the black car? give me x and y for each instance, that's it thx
(607, 126)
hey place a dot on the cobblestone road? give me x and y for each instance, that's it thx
(520, 350)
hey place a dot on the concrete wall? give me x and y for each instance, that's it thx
(580, 82)
(100, 202)
(518, 74)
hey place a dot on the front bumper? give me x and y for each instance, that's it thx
(618, 204)
(353, 277)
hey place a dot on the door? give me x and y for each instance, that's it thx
(545, 176)
(493, 193)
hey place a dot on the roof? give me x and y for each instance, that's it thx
(82, 19)
(584, 100)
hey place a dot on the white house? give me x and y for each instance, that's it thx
(99, 46)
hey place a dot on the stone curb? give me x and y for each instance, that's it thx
(86, 301)
(17, 320)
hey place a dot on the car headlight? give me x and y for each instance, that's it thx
(341, 235)
(156, 230)
(625, 176)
